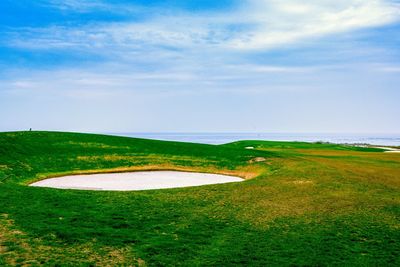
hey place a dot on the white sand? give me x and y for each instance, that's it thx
(389, 149)
(136, 180)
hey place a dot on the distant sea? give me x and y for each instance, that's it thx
(222, 138)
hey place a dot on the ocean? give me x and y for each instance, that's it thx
(222, 138)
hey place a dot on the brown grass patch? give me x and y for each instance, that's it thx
(26, 251)
(245, 172)
(93, 145)
(302, 182)
(257, 159)
(302, 185)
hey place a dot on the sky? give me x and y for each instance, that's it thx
(317, 66)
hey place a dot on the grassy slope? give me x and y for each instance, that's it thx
(310, 204)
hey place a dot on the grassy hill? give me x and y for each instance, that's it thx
(306, 204)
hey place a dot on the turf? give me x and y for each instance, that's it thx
(305, 204)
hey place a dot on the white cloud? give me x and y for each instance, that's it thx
(390, 69)
(190, 52)
(285, 22)
(253, 68)
(259, 24)
(116, 81)
(76, 5)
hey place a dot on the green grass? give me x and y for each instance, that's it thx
(306, 204)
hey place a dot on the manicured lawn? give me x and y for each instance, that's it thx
(306, 204)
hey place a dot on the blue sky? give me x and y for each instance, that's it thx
(200, 66)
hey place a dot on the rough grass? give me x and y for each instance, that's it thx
(306, 204)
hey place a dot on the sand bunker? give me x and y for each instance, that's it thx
(389, 149)
(131, 181)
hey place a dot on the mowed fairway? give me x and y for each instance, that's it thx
(305, 204)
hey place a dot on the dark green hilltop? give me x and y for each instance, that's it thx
(302, 204)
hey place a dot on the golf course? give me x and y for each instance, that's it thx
(300, 204)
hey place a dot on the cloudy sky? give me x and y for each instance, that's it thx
(200, 66)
